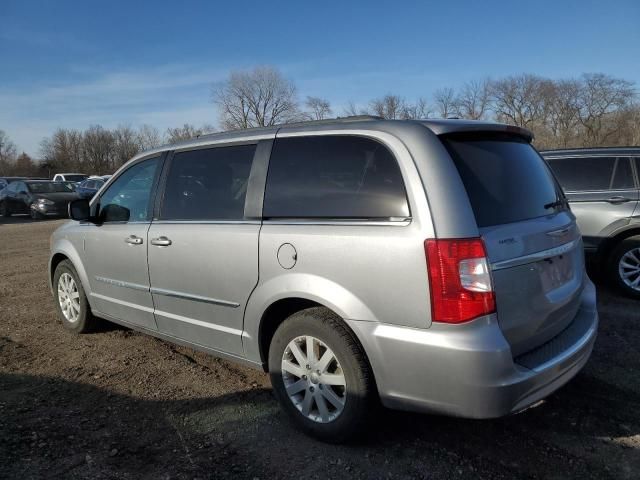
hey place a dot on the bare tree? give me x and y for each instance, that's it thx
(7, 152)
(390, 106)
(317, 108)
(601, 97)
(257, 98)
(64, 150)
(519, 100)
(474, 99)
(186, 132)
(445, 102)
(149, 137)
(418, 110)
(561, 119)
(352, 110)
(99, 146)
(24, 165)
(125, 145)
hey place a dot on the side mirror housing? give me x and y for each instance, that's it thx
(79, 210)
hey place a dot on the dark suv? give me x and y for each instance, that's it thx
(602, 187)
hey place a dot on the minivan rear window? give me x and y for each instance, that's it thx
(506, 179)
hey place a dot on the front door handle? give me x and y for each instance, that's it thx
(618, 199)
(161, 241)
(133, 240)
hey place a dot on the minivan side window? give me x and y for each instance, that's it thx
(332, 176)
(128, 199)
(208, 184)
(577, 174)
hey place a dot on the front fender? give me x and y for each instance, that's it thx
(298, 285)
(63, 246)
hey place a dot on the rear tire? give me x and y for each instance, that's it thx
(71, 301)
(4, 210)
(329, 394)
(624, 266)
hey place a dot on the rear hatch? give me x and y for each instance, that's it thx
(532, 242)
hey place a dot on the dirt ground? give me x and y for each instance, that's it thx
(119, 404)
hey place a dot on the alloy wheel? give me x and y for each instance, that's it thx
(69, 297)
(629, 269)
(314, 379)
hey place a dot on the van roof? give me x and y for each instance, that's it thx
(437, 126)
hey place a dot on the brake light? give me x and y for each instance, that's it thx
(459, 279)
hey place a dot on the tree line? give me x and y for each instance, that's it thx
(592, 110)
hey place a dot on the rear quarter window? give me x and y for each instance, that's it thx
(331, 176)
(577, 174)
(506, 179)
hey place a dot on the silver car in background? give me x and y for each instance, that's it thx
(433, 265)
(602, 187)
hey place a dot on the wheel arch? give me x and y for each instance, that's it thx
(278, 298)
(610, 243)
(65, 251)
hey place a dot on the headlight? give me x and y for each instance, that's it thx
(44, 201)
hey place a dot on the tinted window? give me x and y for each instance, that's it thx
(13, 187)
(51, 187)
(208, 184)
(506, 180)
(128, 198)
(593, 173)
(333, 177)
(74, 178)
(622, 175)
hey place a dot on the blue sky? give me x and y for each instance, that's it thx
(73, 64)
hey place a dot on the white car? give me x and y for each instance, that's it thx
(69, 177)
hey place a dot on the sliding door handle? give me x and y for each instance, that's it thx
(161, 242)
(618, 199)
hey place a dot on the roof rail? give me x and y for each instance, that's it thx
(349, 118)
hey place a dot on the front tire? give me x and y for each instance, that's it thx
(624, 266)
(321, 375)
(71, 301)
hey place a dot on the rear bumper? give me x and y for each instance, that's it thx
(468, 370)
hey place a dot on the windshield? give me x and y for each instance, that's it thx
(75, 178)
(506, 179)
(51, 187)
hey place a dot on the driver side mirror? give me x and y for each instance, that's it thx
(79, 210)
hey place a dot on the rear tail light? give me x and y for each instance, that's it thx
(459, 279)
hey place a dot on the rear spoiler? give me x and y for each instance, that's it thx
(447, 127)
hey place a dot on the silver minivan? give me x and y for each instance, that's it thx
(430, 265)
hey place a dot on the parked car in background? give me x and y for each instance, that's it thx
(601, 185)
(88, 188)
(434, 264)
(39, 198)
(69, 177)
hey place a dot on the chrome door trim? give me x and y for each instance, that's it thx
(537, 256)
(337, 222)
(200, 323)
(120, 283)
(206, 222)
(196, 298)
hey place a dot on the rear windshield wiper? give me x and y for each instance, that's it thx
(561, 202)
